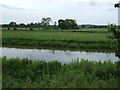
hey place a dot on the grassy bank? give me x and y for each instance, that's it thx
(40, 74)
(56, 39)
(56, 43)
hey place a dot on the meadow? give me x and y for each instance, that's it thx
(57, 38)
(26, 73)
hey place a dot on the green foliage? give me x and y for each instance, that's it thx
(14, 28)
(112, 28)
(117, 5)
(77, 74)
(57, 43)
(52, 35)
(116, 38)
(45, 22)
(56, 39)
(12, 24)
(8, 28)
(67, 24)
(31, 28)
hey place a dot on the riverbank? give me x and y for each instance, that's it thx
(58, 48)
(40, 74)
(56, 43)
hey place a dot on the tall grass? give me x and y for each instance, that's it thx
(77, 74)
(57, 43)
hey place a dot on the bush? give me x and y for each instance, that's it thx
(14, 28)
(31, 28)
(8, 28)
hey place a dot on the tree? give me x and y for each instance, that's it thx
(38, 25)
(115, 37)
(21, 25)
(117, 5)
(31, 25)
(67, 24)
(55, 25)
(61, 24)
(116, 33)
(45, 22)
(12, 24)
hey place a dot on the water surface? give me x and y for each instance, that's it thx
(59, 55)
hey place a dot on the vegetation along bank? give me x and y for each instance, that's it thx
(26, 73)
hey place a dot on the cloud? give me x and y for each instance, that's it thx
(90, 3)
(93, 3)
(111, 9)
(14, 8)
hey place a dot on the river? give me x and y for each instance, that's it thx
(59, 55)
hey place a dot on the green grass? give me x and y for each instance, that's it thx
(55, 35)
(94, 29)
(26, 73)
(90, 30)
(56, 39)
(21, 29)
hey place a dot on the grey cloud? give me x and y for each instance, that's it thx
(93, 3)
(88, 3)
(111, 9)
(14, 8)
(109, 3)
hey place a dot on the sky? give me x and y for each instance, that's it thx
(83, 11)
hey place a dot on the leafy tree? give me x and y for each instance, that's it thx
(117, 5)
(72, 24)
(35, 25)
(38, 25)
(45, 22)
(115, 37)
(61, 24)
(67, 24)
(14, 28)
(22, 25)
(55, 25)
(8, 28)
(31, 25)
(116, 33)
(12, 24)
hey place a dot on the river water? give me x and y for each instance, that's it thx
(59, 55)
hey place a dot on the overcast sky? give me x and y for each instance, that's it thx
(84, 11)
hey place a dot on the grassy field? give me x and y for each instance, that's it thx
(40, 74)
(55, 35)
(56, 39)
(90, 30)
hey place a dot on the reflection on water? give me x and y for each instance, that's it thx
(59, 55)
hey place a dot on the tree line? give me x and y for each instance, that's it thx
(45, 23)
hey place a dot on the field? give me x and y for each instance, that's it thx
(57, 38)
(27, 73)
(40, 74)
